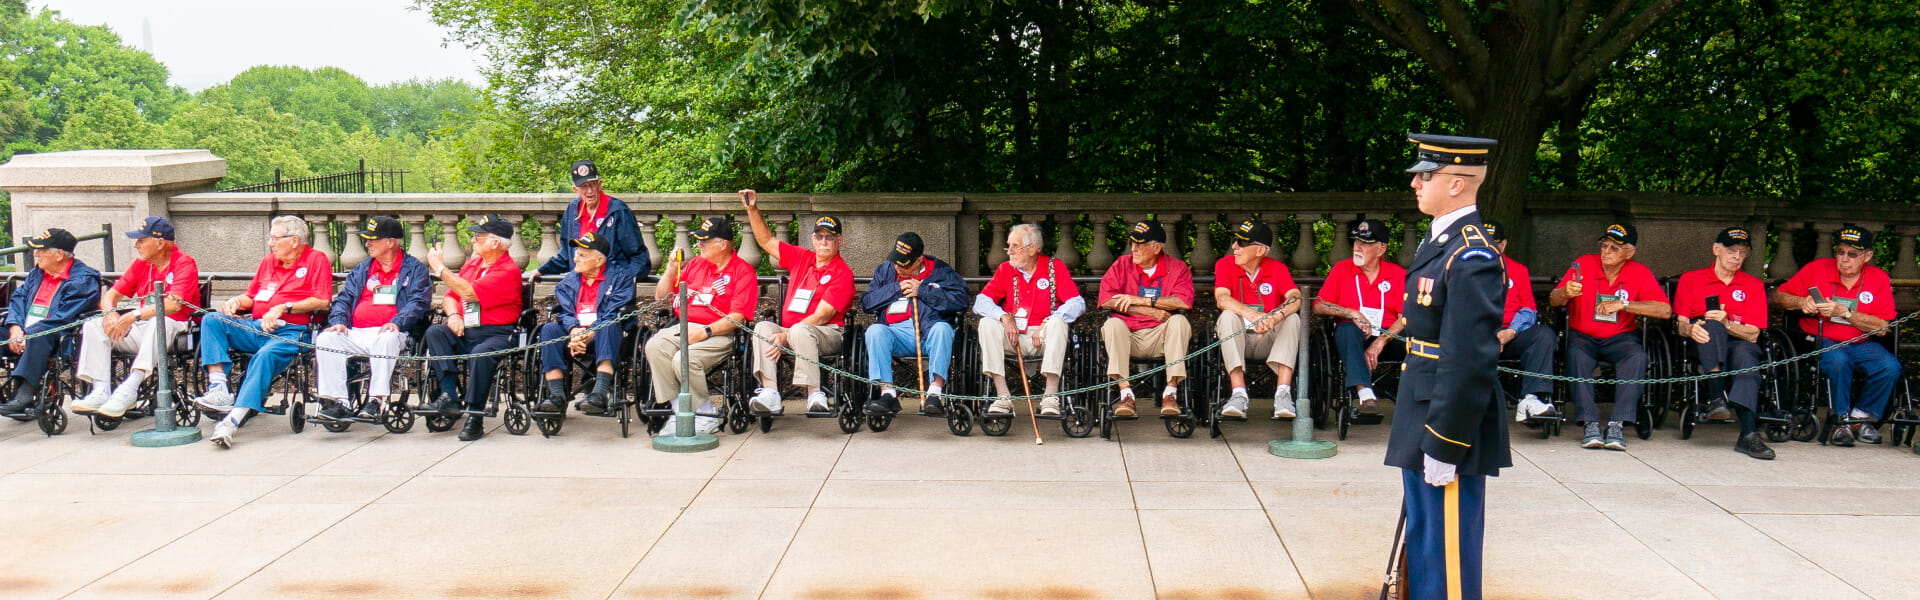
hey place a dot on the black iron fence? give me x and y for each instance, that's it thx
(361, 181)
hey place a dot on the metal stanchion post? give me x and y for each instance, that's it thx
(164, 433)
(684, 439)
(1303, 445)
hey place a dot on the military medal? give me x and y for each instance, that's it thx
(1426, 291)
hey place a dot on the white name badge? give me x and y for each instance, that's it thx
(801, 299)
(703, 299)
(1020, 319)
(1374, 315)
(587, 317)
(471, 311)
(1149, 292)
(266, 293)
(899, 307)
(386, 295)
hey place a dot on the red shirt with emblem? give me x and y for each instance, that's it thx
(182, 276)
(832, 285)
(1873, 291)
(274, 284)
(498, 286)
(1263, 290)
(1038, 293)
(719, 291)
(1635, 283)
(1744, 299)
(1170, 278)
(1347, 285)
(1519, 290)
(365, 312)
(590, 221)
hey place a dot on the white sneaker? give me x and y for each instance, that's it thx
(216, 400)
(1002, 406)
(1236, 406)
(817, 402)
(1050, 406)
(1283, 405)
(706, 425)
(768, 400)
(223, 434)
(92, 402)
(1529, 407)
(119, 402)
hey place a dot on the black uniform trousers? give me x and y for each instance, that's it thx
(1445, 530)
(478, 339)
(31, 365)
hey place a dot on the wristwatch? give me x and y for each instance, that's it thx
(706, 330)
(438, 271)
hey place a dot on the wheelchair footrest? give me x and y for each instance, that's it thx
(1046, 417)
(1369, 419)
(1239, 419)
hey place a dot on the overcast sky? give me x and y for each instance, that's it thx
(207, 42)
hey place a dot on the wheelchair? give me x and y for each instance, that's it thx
(907, 367)
(1194, 408)
(1078, 416)
(1340, 408)
(1811, 393)
(56, 386)
(407, 376)
(1658, 340)
(729, 380)
(1690, 401)
(1260, 381)
(840, 404)
(509, 379)
(189, 378)
(579, 376)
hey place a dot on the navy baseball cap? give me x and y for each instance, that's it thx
(153, 227)
(494, 225)
(592, 241)
(55, 238)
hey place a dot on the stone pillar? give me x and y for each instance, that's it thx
(649, 224)
(1757, 260)
(320, 228)
(997, 241)
(1784, 265)
(1100, 256)
(1305, 259)
(680, 245)
(549, 237)
(1410, 236)
(1173, 236)
(81, 190)
(450, 251)
(1203, 257)
(1903, 266)
(1064, 230)
(1823, 239)
(416, 236)
(782, 226)
(966, 245)
(355, 250)
(517, 247)
(1342, 242)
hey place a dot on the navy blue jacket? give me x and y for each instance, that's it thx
(1449, 404)
(416, 294)
(616, 296)
(621, 231)
(78, 296)
(942, 296)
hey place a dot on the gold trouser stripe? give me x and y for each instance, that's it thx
(1452, 519)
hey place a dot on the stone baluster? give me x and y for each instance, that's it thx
(997, 226)
(319, 229)
(416, 236)
(549, 238)
(1305, 259)
(1823, 239)
(1100, 256)
(782, 226)
(517, 247)
(355, 251)
(648, 225)
(1410, 236)
(1342, 242)
(1065, 227)
(680, 244)
(749, 247)
(1757, 259)
(1784, 264)
(1903, 265)
(1203, 256)
(450, 251)
(1171, 223)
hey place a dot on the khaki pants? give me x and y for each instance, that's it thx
(663, 358)
(809, 341)
(1278, 346)
(96, 350)
(994, 346)
(1167, 340)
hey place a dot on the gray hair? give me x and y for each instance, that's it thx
(294, 226)
(1027, 232)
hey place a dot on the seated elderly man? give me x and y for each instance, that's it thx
(383, 298)
(1031, 298)
(723, 291)
(593, 292)
(292, 281)
(911, 289)
(1841, 298)
(1365, 293)
(58, 290)
(1721, 311)
(1522, 336)
(813, 314)
(1146, 294)
(1253, 289)
(1604, 294)
(131, 331)
(482, 305)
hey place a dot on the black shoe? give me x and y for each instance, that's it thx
(333, 411)
(447, 405)
(594, 404)
(371, 409)
(1754, 445)
(886, 404)
(549, 404)
(17, 408)
(476, 427)
(934, 407)
(1717, 410)
(1616, 436)
(1842, 437)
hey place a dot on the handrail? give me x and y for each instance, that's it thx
(106, 246)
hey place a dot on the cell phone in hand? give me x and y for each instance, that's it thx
(1814, 293)
(1713, 303)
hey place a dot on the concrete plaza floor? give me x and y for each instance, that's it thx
(807, 512)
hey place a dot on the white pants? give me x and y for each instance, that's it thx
(361, 340)
(96, 351)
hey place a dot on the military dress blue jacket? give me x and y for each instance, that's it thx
(616, 296)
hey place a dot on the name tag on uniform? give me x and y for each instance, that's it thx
(386, 295)
(703, 299)
(266, 293)
(1020, 319)
(35, 314)
(1851, 304)
(801, 299)
(1604, 318)
(471, 311)
(586, 315)
(1149, 292)
(899, 307)
(1375, 316)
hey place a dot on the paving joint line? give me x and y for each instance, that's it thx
(815, 501)
(681, 512)
(1247, 479)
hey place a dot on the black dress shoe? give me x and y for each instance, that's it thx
(883, 405)
(16, 408)
(447, 405)
(1753, 445)
(475, 428)
(370, 410)
(593, 404)
(934, 407)
(333, 411)
(1718, 411)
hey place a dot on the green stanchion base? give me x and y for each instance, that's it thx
(154, 438)
(692, 443)
(1302, 449)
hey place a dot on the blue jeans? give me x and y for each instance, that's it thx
(886, 342)
(1869, 359)
(271, 355)
(1351, 345)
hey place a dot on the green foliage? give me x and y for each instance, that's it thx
(325, 95)
(60, 66)
(107, 122)
(422, 108)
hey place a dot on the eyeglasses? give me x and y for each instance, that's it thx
(825, 237)
(1851, 253)
(1428, 176)
(282, 237)
(1012, 249)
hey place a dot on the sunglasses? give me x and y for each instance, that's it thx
(1428, 176)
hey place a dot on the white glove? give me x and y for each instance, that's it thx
(1439, 474)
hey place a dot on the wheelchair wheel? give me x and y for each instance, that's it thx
(337, 426)
(738, 420)
(1343, 415)
(1550, 429)
(959, 418)
(879, 423)
(185, 416)
(1805, 427)
(766, 424)
(439, 423)
(626, 418)
(297, 415)
(1779, 434)
(1899, 432)
(51, 415)
(106, 423)
(398, 419)
(996, 426)
(850, 420)
(549, 426)
(1179, 427)
(1687, 418)
(1078, 421)
(518, 421)
(656, 423)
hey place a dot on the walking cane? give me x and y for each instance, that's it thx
(1025, 387)
(1395, 586)
(919, 357)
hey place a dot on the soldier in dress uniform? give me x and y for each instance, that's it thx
(1448, 429)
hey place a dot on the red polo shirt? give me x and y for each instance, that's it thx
(1170, 279)
(590, 221)
(365, 312)
(926, 270)
(588, 299)
(1037, 293)
(1635, 283)
(498, 286)
(182, 276)
(719, 291)
(1263, 290)
(311, 276)
(1347, 285)
(832, 285)
(1519, 290)
(1873, 291)
(1744, 299)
